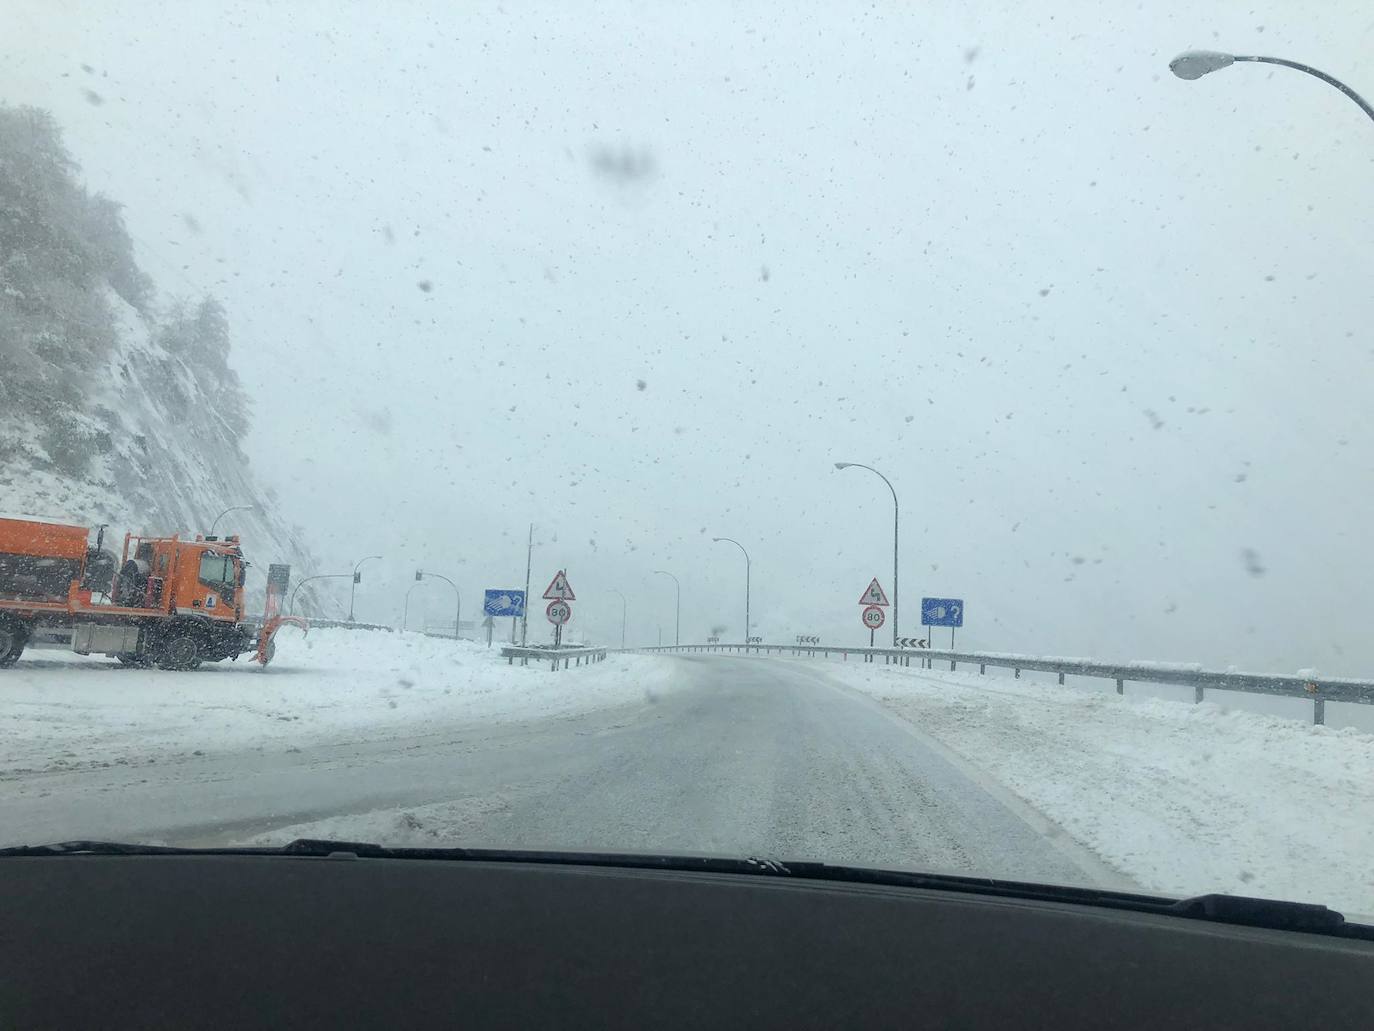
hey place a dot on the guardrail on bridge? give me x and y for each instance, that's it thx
(1318, 689)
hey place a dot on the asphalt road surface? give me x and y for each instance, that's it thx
(758, 757)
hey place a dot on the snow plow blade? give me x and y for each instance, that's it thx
(267, 647)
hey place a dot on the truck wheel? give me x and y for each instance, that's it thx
(180, 649)
(12, 641)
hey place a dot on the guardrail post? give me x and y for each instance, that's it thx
(1018, 674)
(1061, 679)
(1318, 711)
(983, 668)
(951, 665)
(1120, 686)
(1197, 695)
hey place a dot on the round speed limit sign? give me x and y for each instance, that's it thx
(873, 617)
(559, 612)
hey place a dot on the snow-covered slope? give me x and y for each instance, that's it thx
(148, 471)
(1176, 796)
(117, 405)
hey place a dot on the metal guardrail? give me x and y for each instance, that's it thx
(1318, 689)
(255, 619)
(568, 656)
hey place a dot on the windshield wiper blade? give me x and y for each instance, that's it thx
(299, 847)
(91, 848)
(1273, 914)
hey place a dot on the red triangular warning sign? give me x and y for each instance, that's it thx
(561, 590)
(875, 595)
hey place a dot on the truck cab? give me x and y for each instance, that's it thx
(200, 578)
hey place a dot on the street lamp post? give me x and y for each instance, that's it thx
(624, 609)
(236, 508)
(457, 612)
(525, 619)
(405, 613)
(895, 516)
(747, 567)
(353, 591)
(291, 608)
(1194, 64)
(677, 620)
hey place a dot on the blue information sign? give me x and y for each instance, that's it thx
(942, 611)
(504, 603)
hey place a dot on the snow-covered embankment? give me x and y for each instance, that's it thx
(63, 712)
(1173, 795)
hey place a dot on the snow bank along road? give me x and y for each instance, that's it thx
(411, 740)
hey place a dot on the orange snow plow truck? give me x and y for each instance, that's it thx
(167, 602)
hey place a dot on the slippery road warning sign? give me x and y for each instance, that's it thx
(560, 589)
(874, 595)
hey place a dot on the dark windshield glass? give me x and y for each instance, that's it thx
(216, 569)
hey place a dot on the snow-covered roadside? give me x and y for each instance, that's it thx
(1182, 798)
(58, 711)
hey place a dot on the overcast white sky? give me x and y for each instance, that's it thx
(640, 276)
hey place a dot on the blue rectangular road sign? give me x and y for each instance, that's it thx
(942, 611)
(504, 603)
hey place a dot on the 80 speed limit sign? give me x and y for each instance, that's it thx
(559, 612)
(873, 617)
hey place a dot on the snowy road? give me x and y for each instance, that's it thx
(740, 757)
(410, 740)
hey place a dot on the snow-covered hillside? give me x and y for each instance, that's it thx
(117, 406)
(151, 469)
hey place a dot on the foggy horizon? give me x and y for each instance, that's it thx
(1105, 331)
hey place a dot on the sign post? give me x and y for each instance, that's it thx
(503, 602)
(278, 579)
(489, 623)
(943, 612)
(873, 617)
(559, 593)
(874, 600)
(874, 594)
(558, 613)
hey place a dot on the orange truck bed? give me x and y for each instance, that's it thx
(44, 540)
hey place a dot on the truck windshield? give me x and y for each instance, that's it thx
(216, 569)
